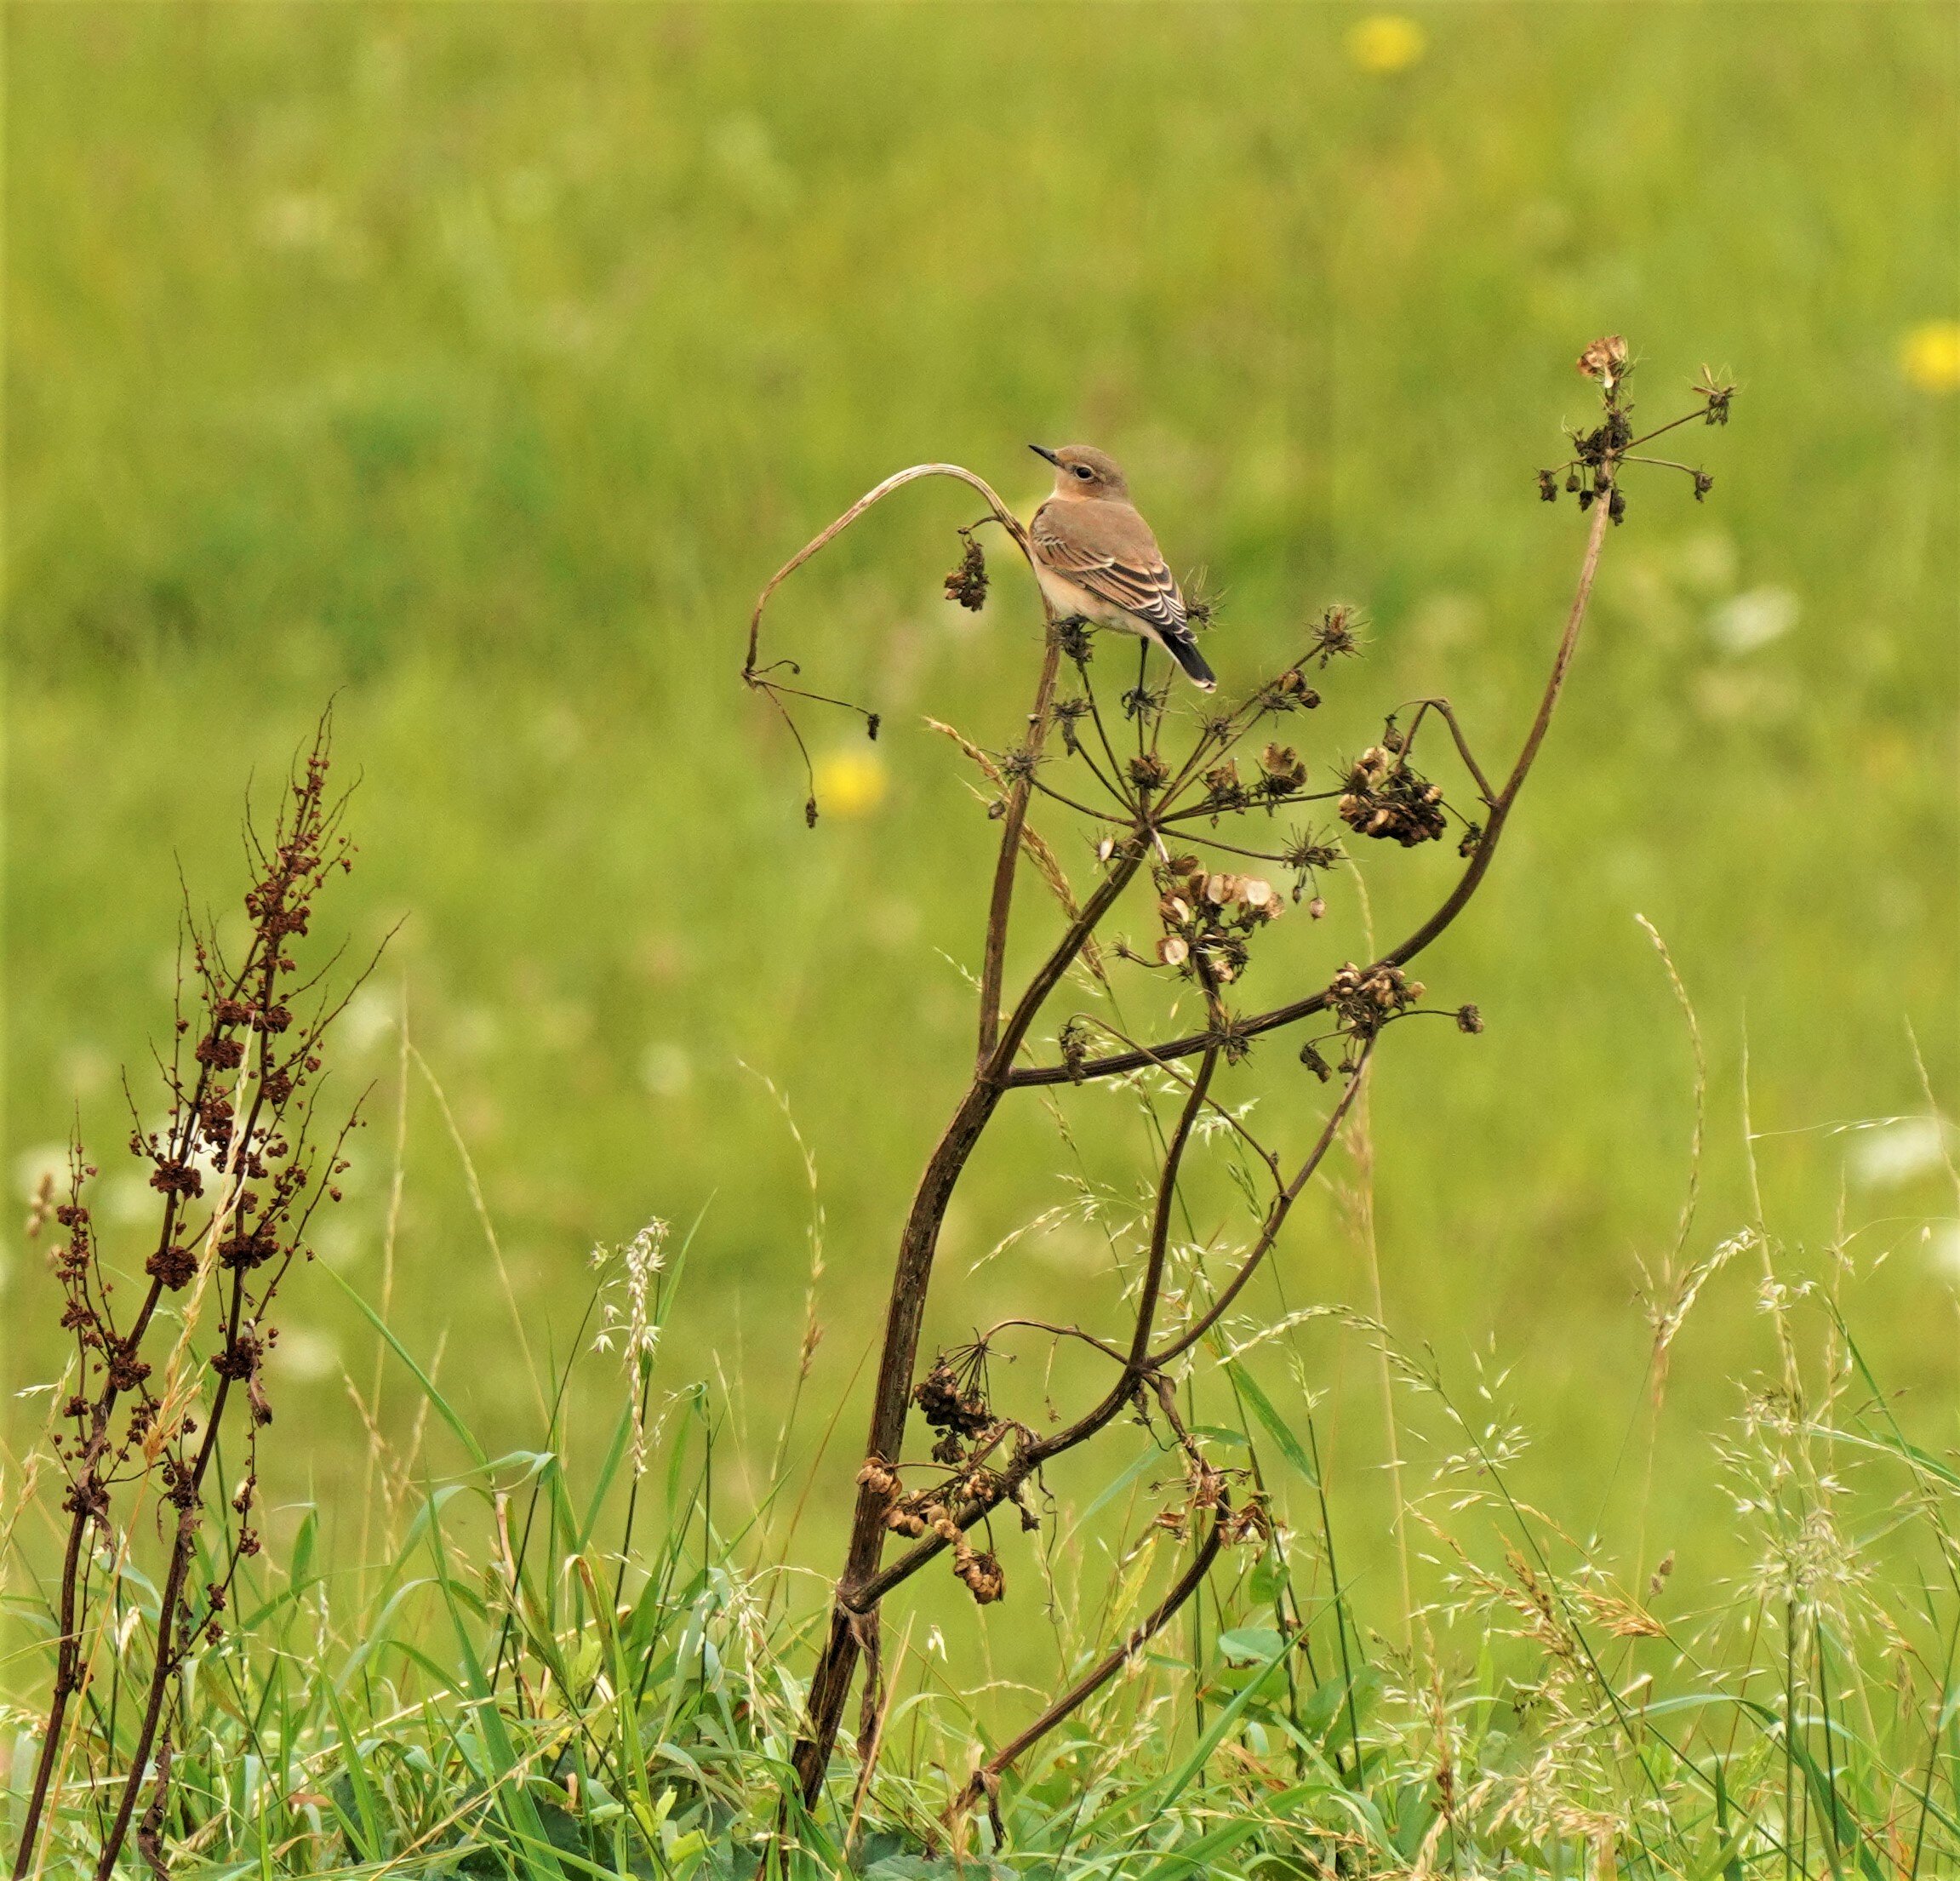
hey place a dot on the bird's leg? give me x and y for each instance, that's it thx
(1134, 703)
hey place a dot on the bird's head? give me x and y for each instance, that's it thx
(1081, 469)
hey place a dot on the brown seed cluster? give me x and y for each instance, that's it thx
(1281, 773)
(1363, 999)
(1290, 692)
(236, 1168)
(1207, 918)
(1383, 797)
(967, 581)
(955, 1404)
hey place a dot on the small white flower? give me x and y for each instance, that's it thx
(1753, 620)
(1885, 1155)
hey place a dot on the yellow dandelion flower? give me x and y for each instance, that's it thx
(850, 783)
(1386, 42)
(1929, 356)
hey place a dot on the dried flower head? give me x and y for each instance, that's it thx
(1068, 714)
(950, 1404)
(1281, 773)
(1606, 360)
(1335, 636)
(982, 1574)
(1224, 789)
(1289, 692)
(1071, 635)
(1385, 799)
(1207, 916)
(1306, 853)
(967, 582)
(1714, 394)
(1363, 999)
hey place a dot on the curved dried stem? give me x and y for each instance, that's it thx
(1001, 513)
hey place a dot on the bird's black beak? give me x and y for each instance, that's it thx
(1041, 450)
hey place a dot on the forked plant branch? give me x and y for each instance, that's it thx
(1211, 923)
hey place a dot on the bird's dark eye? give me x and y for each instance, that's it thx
(1083, 471)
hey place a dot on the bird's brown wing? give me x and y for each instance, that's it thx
(1108, 549)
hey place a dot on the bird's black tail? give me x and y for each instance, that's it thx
(1183, 648)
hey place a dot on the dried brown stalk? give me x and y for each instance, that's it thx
(241, 1114)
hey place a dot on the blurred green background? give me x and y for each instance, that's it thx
(475, 365)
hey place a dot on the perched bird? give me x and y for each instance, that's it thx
(1095, 556)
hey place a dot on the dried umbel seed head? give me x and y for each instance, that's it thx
(1072, 637)
(1335, 636)
(1224, 789)
(1073, 1040)
(1469, 1020)
(1248, 1524)
(982, 1574)
(1385, 799)
(879, 1479)
(1207, 916)
(1290, 692)
(1715, 394)
(1148, 772)
(1281, 772)
(1069, 713)
(946, 1407)
(1362, 998)
(1606, 360)
(967, 583)
(906, 1522)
